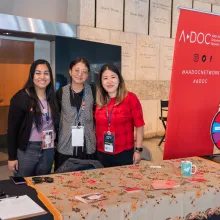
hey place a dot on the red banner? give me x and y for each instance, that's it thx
(195, 85)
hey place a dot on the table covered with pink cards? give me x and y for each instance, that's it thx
(149, 190)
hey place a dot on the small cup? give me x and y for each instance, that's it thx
(186, 168)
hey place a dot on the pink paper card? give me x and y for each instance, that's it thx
(132, 189)
(137, 176)
(195, 180)
(164, 184)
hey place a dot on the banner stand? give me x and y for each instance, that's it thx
(195, 85)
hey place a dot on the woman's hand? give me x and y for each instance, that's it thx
(13, 165)
(136, 157)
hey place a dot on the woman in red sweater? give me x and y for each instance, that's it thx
(117, 113)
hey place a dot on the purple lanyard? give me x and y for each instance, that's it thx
(46, 111)
(109, 116)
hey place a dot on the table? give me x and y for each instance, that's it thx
(17, 190)
(189, 201)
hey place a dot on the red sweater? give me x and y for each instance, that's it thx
(125, 116)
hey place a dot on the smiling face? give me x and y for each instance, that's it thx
(41, 77)
(79, 73)
(110, 82)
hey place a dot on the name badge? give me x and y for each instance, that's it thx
(78, 136)
(109, 142)
(47, 139)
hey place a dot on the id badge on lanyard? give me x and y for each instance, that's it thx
(109, 142)
(78, 131)
(47, 139)
(77, 136)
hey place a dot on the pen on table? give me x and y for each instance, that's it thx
(155, 166)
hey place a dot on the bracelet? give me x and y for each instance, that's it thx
(138, 149)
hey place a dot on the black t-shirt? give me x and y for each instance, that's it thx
(77, 99)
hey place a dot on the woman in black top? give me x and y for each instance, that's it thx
(33, 123)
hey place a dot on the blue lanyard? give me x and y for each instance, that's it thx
(109, 116)
(47, 112)
(78, 113)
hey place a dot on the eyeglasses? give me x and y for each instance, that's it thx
(78, 71)
(39, 179)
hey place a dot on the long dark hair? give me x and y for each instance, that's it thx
(50, 95)
(102, 97)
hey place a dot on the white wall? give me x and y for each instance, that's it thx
(51, 10)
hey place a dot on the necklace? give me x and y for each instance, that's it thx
(46, 111)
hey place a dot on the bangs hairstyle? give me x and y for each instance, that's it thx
(79, 60)
(102, 96)
(50, 95)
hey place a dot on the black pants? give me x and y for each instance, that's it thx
(61, 158)
(112, 160)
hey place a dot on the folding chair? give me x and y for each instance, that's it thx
(163, 109)
(146, 154)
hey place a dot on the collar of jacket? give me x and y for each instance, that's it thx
(71, 96)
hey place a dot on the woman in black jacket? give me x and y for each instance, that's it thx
(33, 123)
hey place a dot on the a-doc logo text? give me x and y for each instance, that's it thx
(193, 37)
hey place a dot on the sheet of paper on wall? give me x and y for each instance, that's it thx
(19, 207)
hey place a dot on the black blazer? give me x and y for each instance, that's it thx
(20, 119)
